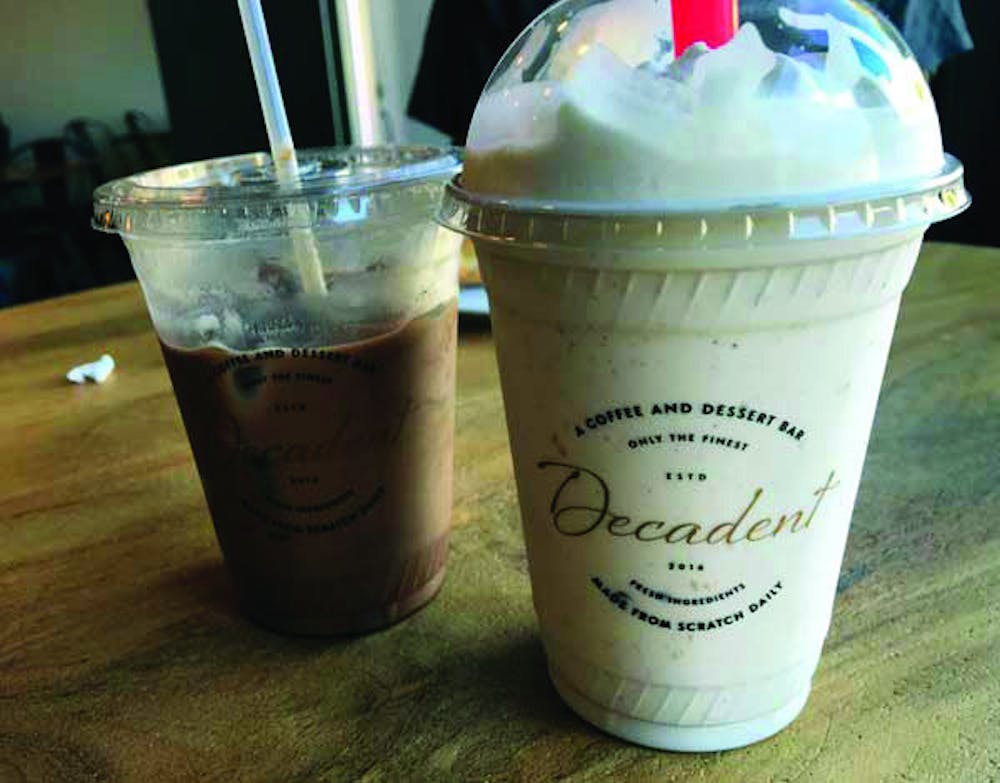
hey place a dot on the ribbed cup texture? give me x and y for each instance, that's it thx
(695, 300)
(680, 705)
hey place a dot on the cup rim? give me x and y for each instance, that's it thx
(872, 210)
(242, 191)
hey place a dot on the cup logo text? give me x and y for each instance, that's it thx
(581, 505)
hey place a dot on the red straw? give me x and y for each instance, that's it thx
(712, 21)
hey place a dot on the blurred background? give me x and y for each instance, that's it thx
(91, 90)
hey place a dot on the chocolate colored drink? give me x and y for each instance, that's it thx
(310, 335)
(328, 471)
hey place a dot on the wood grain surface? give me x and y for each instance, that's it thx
(123, 658)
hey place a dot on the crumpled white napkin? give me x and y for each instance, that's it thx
(97, 372)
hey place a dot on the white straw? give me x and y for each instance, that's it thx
(286, 164)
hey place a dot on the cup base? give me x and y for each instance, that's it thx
(373, 620)
(667, 736)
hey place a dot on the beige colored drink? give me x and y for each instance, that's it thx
(694, 269)
(676, 517)
(321, 417)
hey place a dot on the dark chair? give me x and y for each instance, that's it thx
(4, 142)
(46, 243)
(93, 143)
(36, 182)
(150, 144)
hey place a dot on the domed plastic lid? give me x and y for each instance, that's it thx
(812, 104)
(239, 196)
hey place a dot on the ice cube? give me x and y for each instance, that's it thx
(207, 327)
(280, 281)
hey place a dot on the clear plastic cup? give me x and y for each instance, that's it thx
(321, 422)
(691, 338)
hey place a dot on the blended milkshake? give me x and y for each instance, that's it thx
(694, 267)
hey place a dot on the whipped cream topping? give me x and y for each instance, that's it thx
(606, 114)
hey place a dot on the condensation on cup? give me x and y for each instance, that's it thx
(694, 267)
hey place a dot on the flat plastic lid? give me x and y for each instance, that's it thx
(228, 198)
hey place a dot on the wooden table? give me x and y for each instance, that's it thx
(122, 656)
